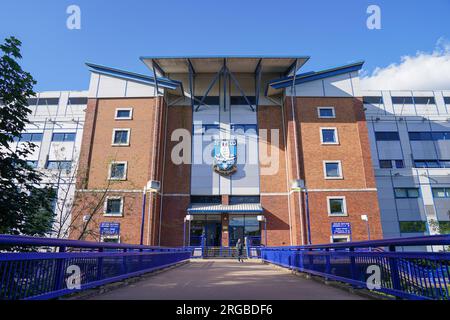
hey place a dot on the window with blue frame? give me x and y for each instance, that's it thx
(326, 112)
(387, 136)
(441, 192)
(406, 193)
(59, 165)
(329, 136)
(402, 100)
(64, 137)
(399, 164)
(31, 137)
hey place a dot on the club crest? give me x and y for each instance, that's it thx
(225, 157)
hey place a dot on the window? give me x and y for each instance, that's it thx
(31, 137)
(244, 199)
(420, 136)
(402, 100)
(413, 226)
(32, 163)
(405, 193)
(447, 100)
(206, 199)
(399, 164)
(373, 100)
(118, 171)
(241, 101)
(78, 101)
(121, 137)
(333, 170)
(48, 101)
(59, 165)
(424, 100)
(340, 239)
(114, 206)
(441, 192)
(385, 164)
(337, 206)
(444, 227)
(326, 112)
(437, 136)
(387, 136)
(427, 164)
(329, 136)
(124, 114)
(64, 137)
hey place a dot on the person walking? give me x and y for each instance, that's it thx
(240, 250)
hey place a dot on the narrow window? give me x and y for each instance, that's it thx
(333, 170)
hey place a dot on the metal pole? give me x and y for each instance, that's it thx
(368, 229)
(265, 231)
(144, 198)
(184, 233)
(189, 234)
(307, 216)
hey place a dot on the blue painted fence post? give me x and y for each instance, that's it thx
(247, 247)
(327, 263)
(395, 276)
(100, 266)
(60, 272)
(203, 246)
(124, 262)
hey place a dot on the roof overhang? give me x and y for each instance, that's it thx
(169, 84)
(236, 64)
(220, 208)
(276, 87)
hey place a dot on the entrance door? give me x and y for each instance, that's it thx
(208, 227)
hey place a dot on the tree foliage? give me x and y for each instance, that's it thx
(25, 207)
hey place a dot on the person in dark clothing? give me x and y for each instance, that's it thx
(240, 250)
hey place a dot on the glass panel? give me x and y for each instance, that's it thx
(412, 226)
(439, 193)
(402, 100)
(399, 164)
(123, 113)
(413, 193)
(114, 206)
(401, 193)
(326, 112)
(58, 137)
(336, 206)
(121, 137)
(329, 135)
(387, 136)
(332, 169)
(117, 170)
(385, 164)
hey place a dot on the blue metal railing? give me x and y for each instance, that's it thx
(43, 270)
(409, 275)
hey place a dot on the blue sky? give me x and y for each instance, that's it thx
(117, 33)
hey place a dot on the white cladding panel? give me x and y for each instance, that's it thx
(104, 86)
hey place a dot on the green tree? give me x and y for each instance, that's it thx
(25, 207)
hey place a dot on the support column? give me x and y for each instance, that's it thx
(225, 231)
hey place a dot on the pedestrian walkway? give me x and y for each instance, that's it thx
(226, 280)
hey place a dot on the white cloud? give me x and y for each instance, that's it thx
(424, 71)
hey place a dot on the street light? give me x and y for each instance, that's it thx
(187, 218)
(365, 217)
(264, 219)
(153, 187)
(300, 185)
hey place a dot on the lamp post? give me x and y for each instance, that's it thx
(365, 217)
(187, 218)
(153, 187)
(264, 219)
(300, 185)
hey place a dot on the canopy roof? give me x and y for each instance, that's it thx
(221, 208)
(236, 64)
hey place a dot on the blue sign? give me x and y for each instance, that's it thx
(110, 229)
(225, 157)
(341, 228)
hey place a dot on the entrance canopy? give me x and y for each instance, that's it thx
(236, 64)
(220, 208)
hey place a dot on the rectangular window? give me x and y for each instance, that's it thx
(124, 114)
(437, 136)
(114, 206)
(444, 227)
(447, 100)
(244, 199)
(326, 112)
(402, 100)
(385, 164)
(329, 136)
(424, 100)
(399, 164)
(78, 101)
(413, 226)
(118, 171)
(241, 101)
(441, 192)
(420, 136)
(64, 137)
(340, 239)
(387, 136)
(337, 206)
(32, 163)
(59, 165)
(405, 193)
(206, 199)
(427, 164)
(31, 137)
(333, 170)
(121, 137)
(373, 100)
(48, 101)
